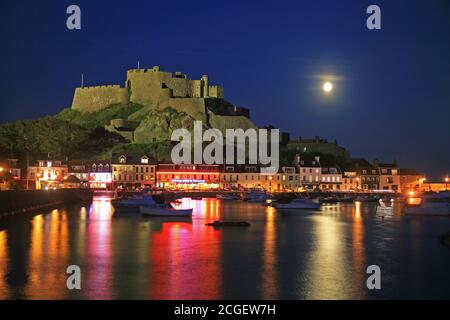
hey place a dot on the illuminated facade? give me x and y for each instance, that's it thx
(350, 181)
(331, 179)
(241, 177)
(411, 179)
(389, 175)
(9, 171)
(188, 176)
(46, 174)
(94, 174)
(310, 172)
(133, 171)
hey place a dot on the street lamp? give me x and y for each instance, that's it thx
(446, 181)
(270, 184)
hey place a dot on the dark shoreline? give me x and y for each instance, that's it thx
(15, 202)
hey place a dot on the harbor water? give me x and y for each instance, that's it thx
(305, 254)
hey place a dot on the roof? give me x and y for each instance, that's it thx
(387, 165)
(331, 170)
(308, 161)
(131, 158)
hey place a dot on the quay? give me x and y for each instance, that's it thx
(14, 202)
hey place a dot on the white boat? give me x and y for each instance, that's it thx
(256, 196)
(168, 211)
(133, 203)
(429, 204)
(298, 203)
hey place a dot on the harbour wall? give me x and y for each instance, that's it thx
(14, 202)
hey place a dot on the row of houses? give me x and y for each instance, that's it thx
(131, 171)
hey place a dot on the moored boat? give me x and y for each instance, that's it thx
(133, 203)
(329, 200)
(225, 196)
(256, 196)
(298, 203)
(429, 204)
(228, 224)
(367, 199)
(168, 211)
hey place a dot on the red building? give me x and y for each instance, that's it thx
(188, 176)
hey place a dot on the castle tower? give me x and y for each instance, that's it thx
(205, 86)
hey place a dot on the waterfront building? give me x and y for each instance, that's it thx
(80, 170)
(171, 176)
(331, 179)
(411, 179)
(434, 186)
(94, 174)
(9, 172)
(310, 172)
(235, 177)
(131, 171)
(289, 179)
(389, 175)
(368, 175)
(350, 180)
(48, 173)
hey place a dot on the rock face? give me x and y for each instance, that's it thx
(157, 125)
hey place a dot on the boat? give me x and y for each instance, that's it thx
(429, 204)
(329, 200)
(164, 211)
(225, 196)
(367, 199)
(228, 224)
(298, 203)
(346, 199)
(133, 203)
(256, 196)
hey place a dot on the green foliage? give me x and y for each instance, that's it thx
(44, 135)
(70, 133)
(92, 120)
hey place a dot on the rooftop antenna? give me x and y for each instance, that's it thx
(82, 80)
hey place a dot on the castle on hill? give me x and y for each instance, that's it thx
(150, 87)
(156, 89)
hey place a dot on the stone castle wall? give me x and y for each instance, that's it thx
(91, 99)
(148, 87)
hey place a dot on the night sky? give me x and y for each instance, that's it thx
(392, 93)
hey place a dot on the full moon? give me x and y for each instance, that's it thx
(327, 87)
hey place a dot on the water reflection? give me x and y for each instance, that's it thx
(269, 264)
(99, 250)
(3, 264)
(310, 255)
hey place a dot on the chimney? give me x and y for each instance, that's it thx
(395, 162)
(376, 162)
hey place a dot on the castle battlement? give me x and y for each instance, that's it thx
(101, 86)
(146, 87)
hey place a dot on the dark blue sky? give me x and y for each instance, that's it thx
(392, 99)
